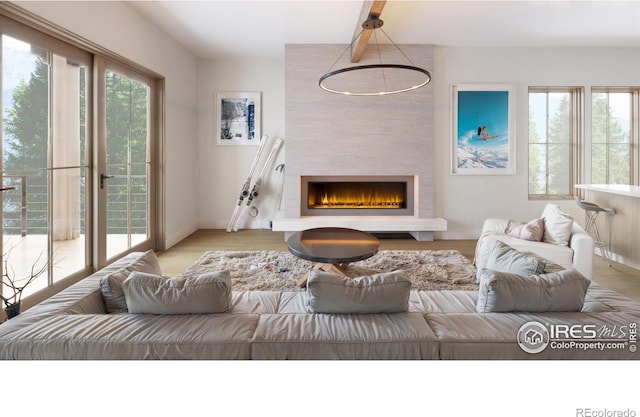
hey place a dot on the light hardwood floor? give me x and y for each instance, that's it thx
(174, 261)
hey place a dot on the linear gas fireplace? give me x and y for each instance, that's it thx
(357, 195)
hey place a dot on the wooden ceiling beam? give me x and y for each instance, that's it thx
(369, 8)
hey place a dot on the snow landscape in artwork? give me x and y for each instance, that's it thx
(478, 157)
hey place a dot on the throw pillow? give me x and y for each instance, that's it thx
(379, 293)
(111, 285)
(532, 230)
(503, 257)
(557, 225)
(506, 292)
(152, 294)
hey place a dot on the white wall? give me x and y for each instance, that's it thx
(465, 201)
(223, 169)
(118, 27)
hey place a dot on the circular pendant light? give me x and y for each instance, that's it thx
(374, 79)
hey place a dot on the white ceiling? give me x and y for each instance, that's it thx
(242, 28)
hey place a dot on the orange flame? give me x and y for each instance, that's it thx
(359, 200)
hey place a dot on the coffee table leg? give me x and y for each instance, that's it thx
(331, 268)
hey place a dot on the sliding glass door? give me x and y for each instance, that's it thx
(77, 151)
(45, 103)
(125, 145)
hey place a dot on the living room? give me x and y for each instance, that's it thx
(192, 83)
(194, 163)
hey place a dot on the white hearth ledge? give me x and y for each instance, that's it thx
(420, 229)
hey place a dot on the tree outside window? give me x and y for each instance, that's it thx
(611, 149)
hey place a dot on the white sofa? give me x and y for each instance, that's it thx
(74, 324)
(577, 254)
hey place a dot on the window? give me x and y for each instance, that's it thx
(554, 133)
(613, 140)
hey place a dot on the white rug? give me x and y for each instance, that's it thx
(280, 270)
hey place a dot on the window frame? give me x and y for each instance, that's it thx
(634, 134)
(575, 143)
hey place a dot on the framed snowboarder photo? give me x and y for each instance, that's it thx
(238, 118)
(483, 126)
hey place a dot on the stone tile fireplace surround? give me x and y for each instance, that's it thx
(355, 137)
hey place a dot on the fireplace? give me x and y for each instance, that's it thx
(357, 195)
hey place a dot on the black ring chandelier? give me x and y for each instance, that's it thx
(374, 22)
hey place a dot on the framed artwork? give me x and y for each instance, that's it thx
(238, 118)
(483, 126)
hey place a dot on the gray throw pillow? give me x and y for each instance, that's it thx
(503, 257)
(379, 293)
(111, 285)
(505, 292)
(152, 294)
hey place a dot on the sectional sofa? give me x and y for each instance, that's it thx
(76, 324)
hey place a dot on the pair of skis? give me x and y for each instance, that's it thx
(242, 207)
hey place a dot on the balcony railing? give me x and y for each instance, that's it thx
(25, 208)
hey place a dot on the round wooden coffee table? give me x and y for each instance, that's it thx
(332, 247)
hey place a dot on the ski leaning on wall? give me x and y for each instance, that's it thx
(280, 188)
(255, 191)
(244, 192)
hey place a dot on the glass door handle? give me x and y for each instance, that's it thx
(104, 177)
(7, 188)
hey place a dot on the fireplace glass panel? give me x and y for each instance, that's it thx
(357, 195)
(328, 196)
